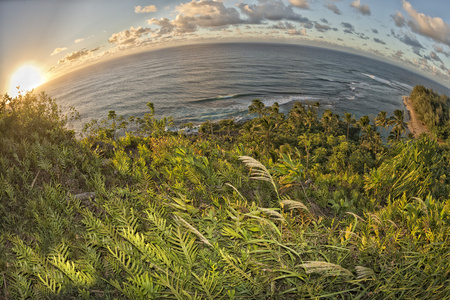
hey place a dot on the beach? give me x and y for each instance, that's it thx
(415, 126)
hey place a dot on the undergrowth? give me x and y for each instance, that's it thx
(281, 207)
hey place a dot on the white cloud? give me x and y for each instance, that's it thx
(434, 28)
(363, 9)
(57, 50)
(269, 10)
(147, 9)
(300, 3)
(207, 14)
(79, 40)
(128, 38)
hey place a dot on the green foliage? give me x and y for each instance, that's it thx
(303, 207)
(432, 109)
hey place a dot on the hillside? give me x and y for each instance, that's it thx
(297, 206)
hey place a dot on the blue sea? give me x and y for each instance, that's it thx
(216, 81)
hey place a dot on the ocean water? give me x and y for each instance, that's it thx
(209, 82)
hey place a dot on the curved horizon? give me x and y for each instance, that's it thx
(59, 37)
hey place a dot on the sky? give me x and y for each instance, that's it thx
(44, 39)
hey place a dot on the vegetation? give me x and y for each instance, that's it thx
(296, 206)
(433, 110)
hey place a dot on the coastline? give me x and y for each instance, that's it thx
(415, 126)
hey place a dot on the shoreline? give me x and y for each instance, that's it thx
(415, 126)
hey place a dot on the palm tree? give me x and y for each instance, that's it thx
(398, 121)
(257, 107)
(364, 122)
(349, 120)
(296, 114)
(382, 121)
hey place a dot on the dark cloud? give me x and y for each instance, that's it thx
(77, 55)
(408, 39)
(440, 49)
(434, 56)
(333, 8)
(308, 25)
(363, 36)
(323, 20)
(398, 54)
(364, 9)
(374, 31)
(349, 28)
(322, 28)
(379, 41)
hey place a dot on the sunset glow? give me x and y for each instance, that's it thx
(27, 77)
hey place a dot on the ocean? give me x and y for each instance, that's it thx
(203, 82)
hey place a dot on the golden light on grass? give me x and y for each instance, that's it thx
(27, 77)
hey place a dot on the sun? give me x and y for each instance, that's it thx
(27, 77)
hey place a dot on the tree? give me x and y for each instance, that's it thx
(398, 121)
(350, 120)
(382, 121)
(257, 107)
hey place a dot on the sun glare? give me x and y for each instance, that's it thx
(27, 77)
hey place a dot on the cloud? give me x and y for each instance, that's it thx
(322, 28)
(128, 38)
(349, 28)
(147, 9)
(435, 57)
(379, 41)
(333, 8)
(77, 55)
(324, 20)
(192, 15)
(269, 10)
(300, 3)
(399, 19)
(297, 32)
(408, 39)
(374, 31)
(289, 28)
(440, 49)
(57, 50)
(398, 54)
(79, 40)
(434, 28)
(363, 9)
